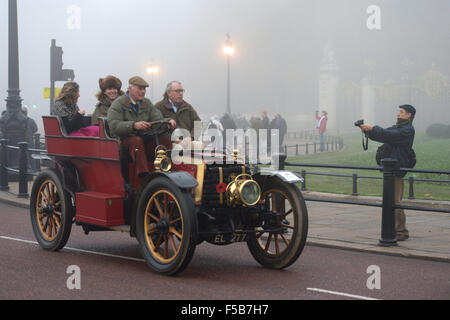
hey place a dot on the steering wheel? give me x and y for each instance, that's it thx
(162, 126)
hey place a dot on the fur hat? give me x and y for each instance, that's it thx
(110, 82)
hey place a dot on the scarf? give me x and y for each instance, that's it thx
(402, 122)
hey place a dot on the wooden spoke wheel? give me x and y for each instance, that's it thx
(282, 237)
(51, 211)
(166, 227)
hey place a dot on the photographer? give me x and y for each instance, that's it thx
(398, 141)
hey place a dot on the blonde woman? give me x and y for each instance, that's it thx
(73, 118)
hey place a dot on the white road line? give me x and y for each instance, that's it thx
(341, 294)
(77, 250)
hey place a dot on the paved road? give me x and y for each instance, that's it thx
(111, 267)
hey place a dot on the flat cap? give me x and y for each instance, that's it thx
(409, 108)
(138, 81)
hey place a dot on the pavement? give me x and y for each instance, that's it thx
(354, 227)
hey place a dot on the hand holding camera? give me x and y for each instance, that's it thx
(359, 123)
(362, 126)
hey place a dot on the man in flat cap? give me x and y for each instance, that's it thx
(398, 141)
(174, 106)
(133, 113)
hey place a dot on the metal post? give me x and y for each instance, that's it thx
(229, 84)
(355, 184)
(23, 178)
(304, 180)
(315, 147)
(278, 160)
(37, 145)
(306, 151)
(411, 188)
(296, 149)
(13, 100)
(3, 164)
(52, 80)
(388, 237)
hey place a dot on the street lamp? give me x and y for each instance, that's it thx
(13, 122)
(229, 51)
(152, 70)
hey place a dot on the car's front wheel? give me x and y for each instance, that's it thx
(166, 227)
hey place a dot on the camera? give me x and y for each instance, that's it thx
(359, 123)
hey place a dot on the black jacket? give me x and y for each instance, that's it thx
(399, 138)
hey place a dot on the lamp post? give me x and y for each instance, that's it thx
(152, 70)
(229, 51)
(13, 122)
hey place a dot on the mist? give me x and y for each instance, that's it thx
(292, 56)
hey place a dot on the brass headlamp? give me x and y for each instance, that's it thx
(162, 161)
(243, 190)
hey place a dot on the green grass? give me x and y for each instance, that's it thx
(432, 154)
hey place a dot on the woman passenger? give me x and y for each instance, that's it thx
(73, 118)
(110, 90)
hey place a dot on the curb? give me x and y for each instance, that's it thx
(375, 249)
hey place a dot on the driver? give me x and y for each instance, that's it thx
(130, 115)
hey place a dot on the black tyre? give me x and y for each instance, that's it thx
(281, 239)
(51, 211)
(166, 227)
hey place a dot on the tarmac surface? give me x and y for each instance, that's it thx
(353, 227)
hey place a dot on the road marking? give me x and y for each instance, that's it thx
(341, 294)
(77, 250)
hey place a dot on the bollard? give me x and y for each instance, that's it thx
(411, 188)
(296, 149)
(23, 177)
(315, 147)
(307, 151)
(37, 145)
(3, 164)
(304, 180)
(388, 237)
(355, 184)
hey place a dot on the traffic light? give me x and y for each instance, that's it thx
(57, 73)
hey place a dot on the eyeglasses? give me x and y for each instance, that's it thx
(179, 91)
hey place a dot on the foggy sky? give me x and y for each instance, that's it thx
(279, 47)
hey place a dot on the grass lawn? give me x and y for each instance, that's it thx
(432, 154)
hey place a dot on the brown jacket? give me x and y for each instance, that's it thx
(101, 108)
(185, 115)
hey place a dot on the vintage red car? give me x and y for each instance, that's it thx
(172, 210)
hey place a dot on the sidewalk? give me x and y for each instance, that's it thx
(352, 227)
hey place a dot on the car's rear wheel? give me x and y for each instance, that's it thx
(166, 227)
(51, 211)
(282, 237)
